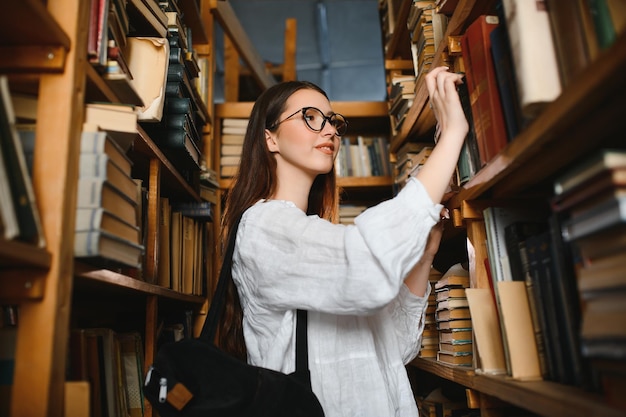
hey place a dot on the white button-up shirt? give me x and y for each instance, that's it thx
(364, 324)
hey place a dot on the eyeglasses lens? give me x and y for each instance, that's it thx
(316, 120)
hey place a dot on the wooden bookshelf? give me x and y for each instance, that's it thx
(45, 54)
(587, 116)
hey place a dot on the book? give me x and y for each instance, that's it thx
(534, 56)
(95, 193)
(453, 348)
(148, 60)
(452, 303)
(568, 34)
(453, 314)
(176, 245)
(449, 292)
(507, 82)
(520, 335)
(482, 84)
(456, 358)
(486, 326)
(599, 245)
(455, 335)
(119, 120)
(609, 213)
(469, 160)
(99, 142)
(456, 275)
(163, 262)
(104, 249)
(100, 219)
(101, 166)
(515, 236)
(455, 324)
(590, 189)
(602, 275)
(179, 146)
(131, 352)
(18, 180)
(601, 161)
(9, 226)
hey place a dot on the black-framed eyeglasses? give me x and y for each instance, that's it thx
(316, 120)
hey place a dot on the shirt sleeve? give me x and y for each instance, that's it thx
(285, 259)
(408, 317)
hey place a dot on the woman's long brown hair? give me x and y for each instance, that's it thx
(256, 180)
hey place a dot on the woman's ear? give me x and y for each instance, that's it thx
(270, 140)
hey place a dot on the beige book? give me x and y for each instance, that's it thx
(534, 55)
(486, 331)
(164, 265)
(77, 399)
(520, 334)
(148, 61)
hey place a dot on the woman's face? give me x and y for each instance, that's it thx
(298, 147)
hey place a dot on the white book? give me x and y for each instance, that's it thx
(534, 56)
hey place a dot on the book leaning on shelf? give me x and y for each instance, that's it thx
(20, 218)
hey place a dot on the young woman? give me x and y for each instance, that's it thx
(365, 286)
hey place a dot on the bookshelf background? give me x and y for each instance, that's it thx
(55, 294)
(561, 136)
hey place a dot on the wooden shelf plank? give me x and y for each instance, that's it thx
(115, 281)
(14, 253)
(542, 397)
(25, 50)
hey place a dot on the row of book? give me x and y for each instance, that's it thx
(509, 87)
(557, 280)
(185, 234)
(111, 363)
(363, 156)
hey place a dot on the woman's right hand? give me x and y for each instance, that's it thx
(445, 102)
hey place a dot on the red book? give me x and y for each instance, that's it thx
(482, 85)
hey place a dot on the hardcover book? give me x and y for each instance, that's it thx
(532, 45)
(482, 85)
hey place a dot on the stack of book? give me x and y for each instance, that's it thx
(453, 317)
(108, 209)
(430, 335)
(592, 199)
(426, 27)
(348, 212)
(233, 132)
(401, 95)
(409, 160)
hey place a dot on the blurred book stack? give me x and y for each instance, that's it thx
(430, 335)
(452, 317)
